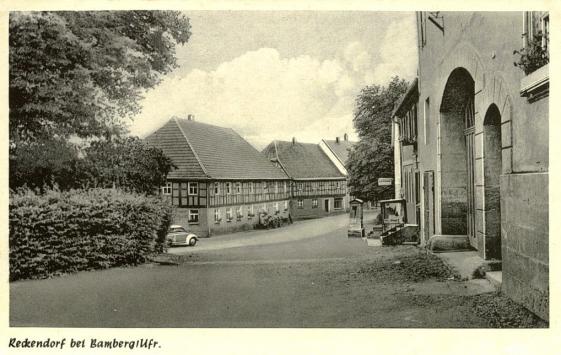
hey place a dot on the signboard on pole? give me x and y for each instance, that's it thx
(385, 181)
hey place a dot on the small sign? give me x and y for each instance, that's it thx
(385, 181)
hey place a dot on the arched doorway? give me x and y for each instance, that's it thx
(457, 156)
(492, 159)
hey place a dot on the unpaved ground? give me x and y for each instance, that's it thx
(321, 281)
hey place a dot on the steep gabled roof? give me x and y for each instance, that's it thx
(339, 148)
(171, 140)
(202, 150)
(302, 160)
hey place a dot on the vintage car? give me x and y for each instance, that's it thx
(177, 235)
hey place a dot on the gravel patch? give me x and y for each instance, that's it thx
(501, 312)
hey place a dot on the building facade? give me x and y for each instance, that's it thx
(482, 142)
(221, 183)
(407, 176)
(337, 151)
(318, 187)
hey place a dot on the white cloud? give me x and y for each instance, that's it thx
(264, 96)
(397, 52)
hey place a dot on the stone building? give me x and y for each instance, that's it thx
(221, 182)
(318, 187)
(482, 142)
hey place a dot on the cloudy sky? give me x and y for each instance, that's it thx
(278, 75)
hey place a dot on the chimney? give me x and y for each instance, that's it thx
(190, 117)
(346, 137)
(293, 140)
(336, 139)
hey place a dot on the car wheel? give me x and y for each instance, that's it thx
(192, 242)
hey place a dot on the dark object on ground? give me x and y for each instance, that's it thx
(407, 233)
(479, 273)
(502, 312)
(415, 267)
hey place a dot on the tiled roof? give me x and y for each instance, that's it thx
(303, 160)
(340, 149)
(170, 139)
(203, 150)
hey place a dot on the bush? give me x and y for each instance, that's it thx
(59, 232)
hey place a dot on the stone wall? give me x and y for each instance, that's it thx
(525, 238)
(482, 44)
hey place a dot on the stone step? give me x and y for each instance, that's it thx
(495, 277)
(441, 243)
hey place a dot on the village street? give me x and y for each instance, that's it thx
(313, 277)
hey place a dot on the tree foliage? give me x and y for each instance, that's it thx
(372, 157)
(127, 163)
(77, 77)
(79, 74)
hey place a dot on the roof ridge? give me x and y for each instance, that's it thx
(201, 123)
(190, 146)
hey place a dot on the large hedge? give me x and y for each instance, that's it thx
(59, 232)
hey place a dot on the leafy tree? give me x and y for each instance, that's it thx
(127, 163)
(80, 74)
(77, 76)
(372, 157)
(44, 163)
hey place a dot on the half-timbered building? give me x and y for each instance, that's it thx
(318, 187)
(221, 183)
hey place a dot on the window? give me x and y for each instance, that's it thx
(276, 187)
(422, 28)
(338, 203)
(545, 31)
(265, 187)
(166, 189)
(417, 187)
(193, 188)
(300, 187)
(536, 22)
(315, 203)
(286, 205)
(217, 218)
(284, 186)
(250, 211)
(193, 216)
(276, 207)
(408, 126)
(239, 212)
(228, 188)
(238, 188)
(251, 187)
(229, 214)
(337, 185)
(217, 188)
(426, 118)
(300, 203)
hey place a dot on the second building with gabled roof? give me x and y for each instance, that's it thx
(318, 187)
